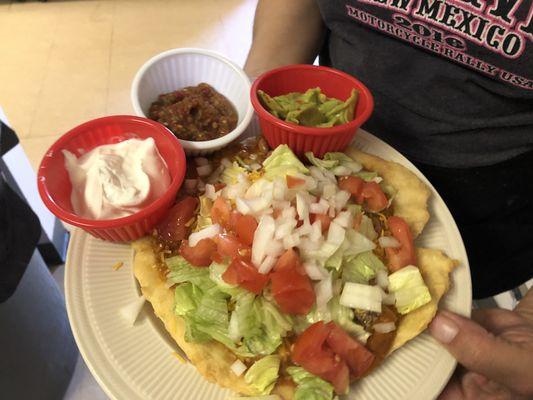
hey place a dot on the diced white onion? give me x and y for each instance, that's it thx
(388, 298)
(199, 161)
(305, 229)
(302, 207)
(274, 248)
(242, 206)
(384, 327)
(267, 265)
(316, 231)
(318, 208)
(329, 190)
(131, 311)
(191, 183)
(281, 204)
(382, 278)
(317, 173)
(341, 198)
(364, 297)
(238, 367)
(288, 213)
(388, 241)
(291, 241)
(332, 211)
(204, 170)
(344, 219)
(324, 292)
(315, 271)
(210, 192)
(284, 230)
(263, 235)
(258, 204)
(336, 233)
(279, 189)
(207, 233)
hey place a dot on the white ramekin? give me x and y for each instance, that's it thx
(177, 68)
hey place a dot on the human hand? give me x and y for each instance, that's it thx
(495, 351)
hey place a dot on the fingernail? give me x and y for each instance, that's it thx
(443, 329)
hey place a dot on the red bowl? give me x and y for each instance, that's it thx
(299, 78)
(55, 186)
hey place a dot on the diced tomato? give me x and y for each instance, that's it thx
(293, 181)
(312, 353)
(176, 225)
(229, 246)
(373, 195)
(289, 260)
(358, 358)
(220, 212)
(324, 221)
(245, 226)
(241, 272)
(405, 254)
(351, 184)
(292, 291)
(199, 255)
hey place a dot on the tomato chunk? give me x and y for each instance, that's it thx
(221, 213)
(351, 184)
(358, 358)
(245, 226)
(324, 219)
(312, 353)
(176, 225)
(241, 272)
(373, 195)
(229, 246)
(405, 254)
(293, 181)
(199, 255)
(289, 260)
(292, 291)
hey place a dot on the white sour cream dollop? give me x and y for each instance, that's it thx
(116, 180)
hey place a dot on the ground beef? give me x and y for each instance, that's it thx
(195, 113)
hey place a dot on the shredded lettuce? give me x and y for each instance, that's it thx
(309, 386)
(361, 268)
(333, 160)
(282, 162)
(263, 374)
(204, 216)
(182, 271)
(216, 271)
(409, 289)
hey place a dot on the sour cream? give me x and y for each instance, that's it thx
(116, 180)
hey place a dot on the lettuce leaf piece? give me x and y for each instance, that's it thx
(409, 289)
(216, 271)
(230, 175)
(367, 175)
(186, 298)
(309, 386)
(282, 162)
(204, 216)
(325, 164)
(182, 271)
(361, 268)
(263, 374)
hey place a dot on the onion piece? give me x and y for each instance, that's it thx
(389, 241)
(279, 189)
(285, 229)
(329, 190)
(318, 208)
(263, 234)
(316, 231)
(274, 248)
(238, 367)
(342, 171)
(288, 213)
(382, 278)
(315, 271)
(281, 204)
(341, 198)
(207, 233)
(388, 298)
(302, 207)
(290, 241)
(242, 206)
(384, 327)
(131, 311)
(305, 229)
(336, 234)
(267, 264)
(204, 170)
(344, 219)
(210, 192)
(324, 292)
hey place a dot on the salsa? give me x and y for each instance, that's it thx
(195, 113)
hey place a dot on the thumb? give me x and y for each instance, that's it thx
(479, 351)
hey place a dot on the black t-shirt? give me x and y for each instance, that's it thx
(452, 79)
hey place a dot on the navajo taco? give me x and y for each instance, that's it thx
(282, 276)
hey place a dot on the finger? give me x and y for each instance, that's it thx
(452, 391)
(481, 352)
(525, 307)
(496, 320)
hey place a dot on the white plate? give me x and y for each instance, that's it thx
(138, 363)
